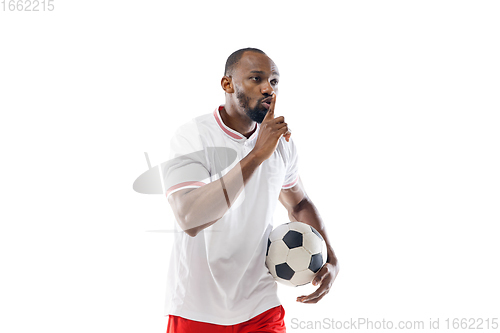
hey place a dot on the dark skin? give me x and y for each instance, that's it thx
(300, 208)
(257, 77)
(253, 84)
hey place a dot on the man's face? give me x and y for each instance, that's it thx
(255, 79)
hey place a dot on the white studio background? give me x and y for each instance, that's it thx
(394, 106)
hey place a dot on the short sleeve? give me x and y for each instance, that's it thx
(292, 165)
(187, 167)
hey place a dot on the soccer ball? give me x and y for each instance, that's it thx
(295, 253)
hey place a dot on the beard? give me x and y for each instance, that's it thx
(257, 113)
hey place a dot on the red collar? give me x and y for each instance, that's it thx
(229, 131)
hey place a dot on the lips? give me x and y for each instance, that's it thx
(267, 102)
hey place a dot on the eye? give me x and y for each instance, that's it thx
(274, 82)
(255, 78)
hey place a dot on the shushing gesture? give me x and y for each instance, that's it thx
(271, 130)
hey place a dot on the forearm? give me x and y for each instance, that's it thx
(200, 208)
(197, 209)
(307, 213)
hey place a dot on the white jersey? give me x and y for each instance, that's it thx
(219, 276)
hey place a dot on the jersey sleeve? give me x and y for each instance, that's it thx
(188, 166)
(292, 165)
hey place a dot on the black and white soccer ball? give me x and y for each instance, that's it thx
(295, 253)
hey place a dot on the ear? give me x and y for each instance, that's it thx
(227, 84)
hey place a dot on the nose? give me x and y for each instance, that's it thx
(267, 88)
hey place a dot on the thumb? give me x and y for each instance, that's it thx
(319, 277)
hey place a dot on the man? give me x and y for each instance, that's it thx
(231, 167)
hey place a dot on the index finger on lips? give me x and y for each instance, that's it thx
(270, 112)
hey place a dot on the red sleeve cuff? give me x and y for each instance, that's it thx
(291, 184)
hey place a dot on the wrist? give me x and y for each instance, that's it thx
(331, 258)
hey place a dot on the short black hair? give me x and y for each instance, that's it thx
(235, 57)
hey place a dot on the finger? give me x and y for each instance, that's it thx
(323, 288)
(317, 280)
(270, 112)
(282, 129)
(309, 299)
(279, 119)
(315, 300)
(281, 126)
(301, 298)
(320, 276)
(287, 135)
(315, 294)
(318, 293)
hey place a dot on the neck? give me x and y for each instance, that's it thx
(237, 121)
